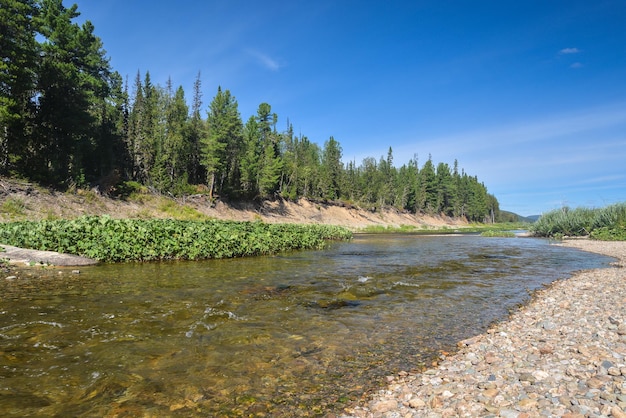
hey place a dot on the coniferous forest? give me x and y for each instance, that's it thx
(67, 119)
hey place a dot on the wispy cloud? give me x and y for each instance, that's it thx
(611, 179)
(567, 51)
(576, 65)
(533, 131)
(265, 60)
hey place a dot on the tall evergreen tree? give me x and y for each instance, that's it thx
(73, 79)
(445, 189)
(196, 132)
(370, 181)
(18, 72)
(175, 150)
(428, 178)
(270, 161)
(249, 164)
(331, 170)
(221, 147)
(143, 128)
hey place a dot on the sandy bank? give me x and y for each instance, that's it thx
(562, 355)
(25, 201)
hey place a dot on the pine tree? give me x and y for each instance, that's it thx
(249, 164)
(221, 147)
(143, 129)
(331, 170)
(370, 182)
(72, 85)
(445, 189)
(428, 178)
(270, 161)
(175, 151)
(196, 132)
(18, 71)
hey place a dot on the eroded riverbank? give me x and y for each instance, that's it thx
(563, 354)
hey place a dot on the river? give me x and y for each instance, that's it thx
(297, 334)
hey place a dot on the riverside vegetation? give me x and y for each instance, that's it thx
(106, 239)
(607, 224)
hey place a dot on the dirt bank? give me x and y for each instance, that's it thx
(21, 200)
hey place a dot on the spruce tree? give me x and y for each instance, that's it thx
(331, 170)
(18, 72)
(220, 148)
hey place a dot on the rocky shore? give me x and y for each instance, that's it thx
(562, 355)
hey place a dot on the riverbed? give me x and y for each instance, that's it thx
(297, 334)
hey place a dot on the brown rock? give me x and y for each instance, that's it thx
(546, 349)
(384, 406)
(417, 403)
(491, 393)
(490, 358)
(527, 403)
(435, 402)
(594, 383)
(617, 412)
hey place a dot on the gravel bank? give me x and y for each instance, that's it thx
(562, 355)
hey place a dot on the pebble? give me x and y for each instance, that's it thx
(562, 355)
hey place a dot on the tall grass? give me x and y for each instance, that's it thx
(581, 222)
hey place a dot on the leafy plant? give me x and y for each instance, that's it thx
(107, 239)
(610, 234)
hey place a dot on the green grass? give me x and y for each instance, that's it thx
(381, 229)
(106, 239)
(13, 207)
(181, 212)
(607, 223)
(461, 229)
(497, 234)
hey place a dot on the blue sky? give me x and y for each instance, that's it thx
(529, 96)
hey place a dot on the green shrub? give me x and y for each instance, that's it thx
(606, 233)
(106, 239)
(128, 189)
(581, 222)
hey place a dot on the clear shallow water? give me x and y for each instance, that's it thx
(298, 334)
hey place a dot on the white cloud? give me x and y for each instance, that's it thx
(533, 132)
(611, 179)
(566, 51)
(265, 60)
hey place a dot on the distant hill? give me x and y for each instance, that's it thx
(506, 216)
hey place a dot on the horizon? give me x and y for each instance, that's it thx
(530, 98)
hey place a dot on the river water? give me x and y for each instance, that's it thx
(298, 334)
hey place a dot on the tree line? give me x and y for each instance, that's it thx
(67, 118)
